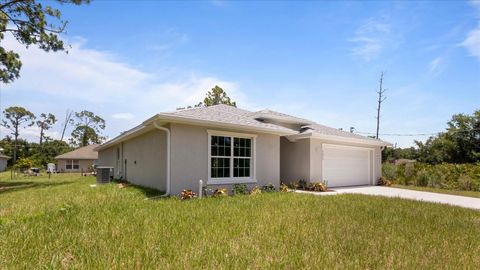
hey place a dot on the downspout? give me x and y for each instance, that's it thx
(167, 131)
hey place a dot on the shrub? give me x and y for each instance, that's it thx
(422, 178)
(465, 182)
(239, 189)
(23, 164)
(317, 186)
(283, 187)
(389, 171)
(256, 190)
(445, 175)
(302, 184)
(187, 194)
(268, 188)
(220, 192)
(382, 181)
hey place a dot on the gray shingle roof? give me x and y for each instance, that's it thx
(85, 152)
(4, 156)
(232, 115)
(225, 114)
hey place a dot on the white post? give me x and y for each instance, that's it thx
(200, 189)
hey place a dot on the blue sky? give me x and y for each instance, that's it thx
(318, 60)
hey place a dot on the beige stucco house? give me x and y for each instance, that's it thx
(223, 145)
(79, 160)
(3, 162)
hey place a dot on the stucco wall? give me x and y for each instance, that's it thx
(189, 159)
(108, 157)
(295, 160)
(145, 158)
(3, 164)
(84, 164)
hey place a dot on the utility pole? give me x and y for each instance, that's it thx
(381, 98)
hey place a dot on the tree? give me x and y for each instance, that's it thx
(24, 148)
(29, 23)
(15, 118)
(46, 153)
(218, 96)
(381, 98)
(45, 123)
(88, 127)
(67, 121)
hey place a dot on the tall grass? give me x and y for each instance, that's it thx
(65, 223)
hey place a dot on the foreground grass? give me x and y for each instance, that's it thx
(63, 222)
(474, 194)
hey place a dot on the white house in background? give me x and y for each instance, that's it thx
(3, 162)
(224, 145)
(79, 160)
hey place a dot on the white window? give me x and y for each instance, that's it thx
(231, 158)
(72, 164)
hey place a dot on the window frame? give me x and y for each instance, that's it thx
(232, 179)
(73, 163)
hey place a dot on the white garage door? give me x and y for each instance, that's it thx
(346, 166)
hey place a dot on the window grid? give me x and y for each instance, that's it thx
(227, 158)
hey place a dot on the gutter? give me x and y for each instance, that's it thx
(167, 131)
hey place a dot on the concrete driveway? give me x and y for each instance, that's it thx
(467, 202)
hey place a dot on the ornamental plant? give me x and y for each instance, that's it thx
(268, 188)
(240, 189)
(283, 187)
(220, 192)
(187, 194)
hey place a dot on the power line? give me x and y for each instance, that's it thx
(416, 134)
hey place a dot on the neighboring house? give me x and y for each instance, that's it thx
(3, 162)
(224, 145)
(78, 160)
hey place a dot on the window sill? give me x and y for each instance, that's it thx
(225, 181)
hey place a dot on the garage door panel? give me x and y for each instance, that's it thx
(344, 166)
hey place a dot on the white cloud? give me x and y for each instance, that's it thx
(123, 116)
(31, 133)
(472, 42)
(436, 66)
(99, 81)
(370, 39)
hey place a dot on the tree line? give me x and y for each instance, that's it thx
(87, 128)
(459, 143)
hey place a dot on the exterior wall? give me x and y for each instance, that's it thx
(84, 165)
(189, 158)
(303, 159)
(3, 164)
(146, 160)
(142, 160)
(294, 160)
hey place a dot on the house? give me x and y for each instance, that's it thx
(79, 160)
(3, 162)
(225, 145)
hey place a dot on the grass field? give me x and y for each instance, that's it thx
(64, 223)
(466, 193)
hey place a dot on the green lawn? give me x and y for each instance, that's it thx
(64, 223)
(474, 194)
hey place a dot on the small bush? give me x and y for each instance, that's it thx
(256, 190)
(240, 189)
(220, 192)
(382, 181)
(317, 186)
(422, 178)
(465, 182)
(283, 187)
(187, 194)
(268, 188)
(389, 171)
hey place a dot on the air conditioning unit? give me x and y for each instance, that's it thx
(104, 174)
